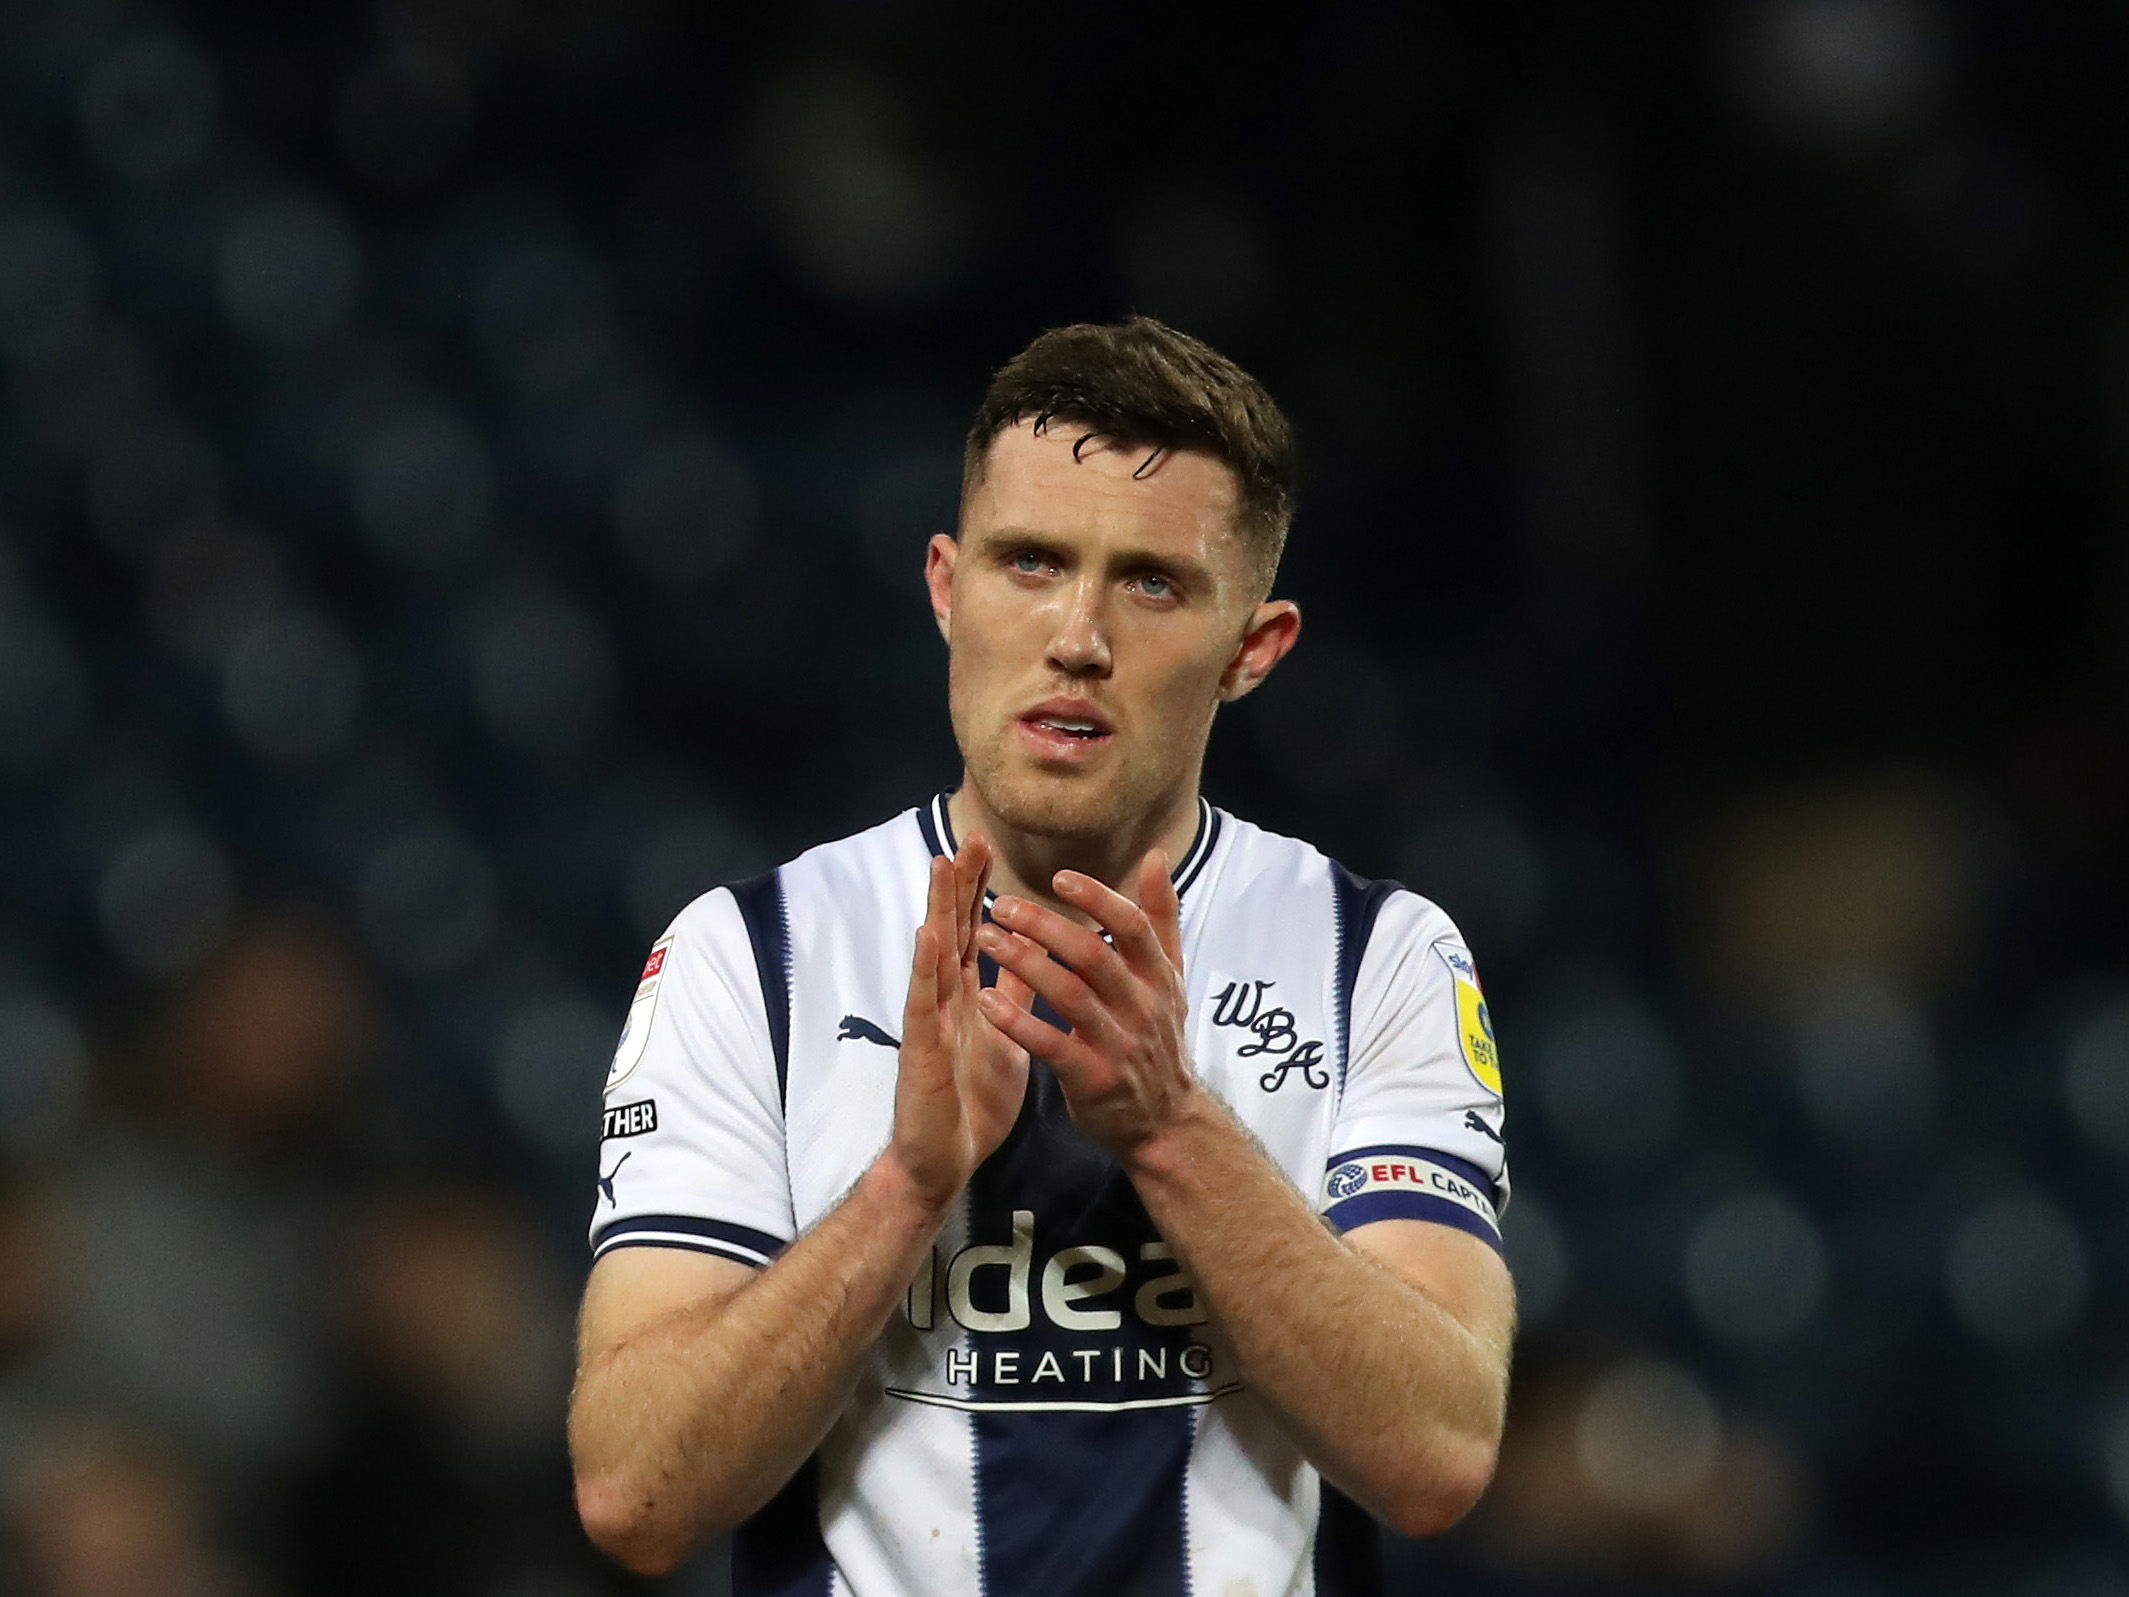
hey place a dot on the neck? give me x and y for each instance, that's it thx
(1028, 861)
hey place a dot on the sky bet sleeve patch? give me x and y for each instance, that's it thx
(1370, 1184)
(1474, 1021)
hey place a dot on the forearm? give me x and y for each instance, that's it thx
(688, 1425)
(1391, 1395)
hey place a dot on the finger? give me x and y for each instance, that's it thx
(967, 868)
(1013, 990)
(920, 1010)
(1013, 986)
(938, 892)
(945, 938)
(1064, 989)
(1041, 1039)
(983, 858)
(1118, 916)
(1080, 947)
(947, 967)
(1162, 903)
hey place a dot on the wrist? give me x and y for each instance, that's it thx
(1186, 1136)
(905, 1196)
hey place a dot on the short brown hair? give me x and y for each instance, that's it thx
(1142, 383)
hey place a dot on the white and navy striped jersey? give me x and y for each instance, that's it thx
(1051, 1413)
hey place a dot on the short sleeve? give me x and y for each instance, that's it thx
(691, 1151)
(1419, 1131)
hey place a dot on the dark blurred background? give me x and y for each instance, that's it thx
(464, 471)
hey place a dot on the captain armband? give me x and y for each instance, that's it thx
(1394, 1183)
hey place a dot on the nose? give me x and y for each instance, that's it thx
(1080, 645)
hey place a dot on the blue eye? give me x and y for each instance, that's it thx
(1155, 586)
(1027, 561)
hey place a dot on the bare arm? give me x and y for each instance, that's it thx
(703, 1385)
(1384, 1356)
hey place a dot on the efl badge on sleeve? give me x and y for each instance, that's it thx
(641, 1012)
(1474, 1021)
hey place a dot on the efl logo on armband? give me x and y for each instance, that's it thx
(1405, 1172)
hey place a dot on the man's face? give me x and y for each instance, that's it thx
(1096, 615)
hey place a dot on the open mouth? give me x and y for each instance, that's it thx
(1064, 727)
(1065, 730)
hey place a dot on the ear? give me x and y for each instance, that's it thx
(939, 578)
(1274, 627)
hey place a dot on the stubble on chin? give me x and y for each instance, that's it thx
(1042, 804)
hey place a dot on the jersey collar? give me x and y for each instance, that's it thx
(938, 829)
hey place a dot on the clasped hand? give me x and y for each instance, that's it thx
(1124, 1065)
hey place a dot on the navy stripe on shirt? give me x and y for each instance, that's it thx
(761, 906)
(780, 1552)
(1075, 1504)
(683, 1230)
(1358, 903)
(1348, 1551)
(936, 822)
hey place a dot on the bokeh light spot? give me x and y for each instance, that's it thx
(543, 672)
(148, 108)
(423, 487)
(44, 1073)
(548, 1066)
(1836, 71)
(1865, 1065)
(44, 691)
(47, 284)
(1607, 1078)
(686, 509)
(1648, 1435)
(291, 683)
(2114, 1461)
(1755, 1269)
(1871, 877)
(863, 213)
(289, 271)
(2096, 1077)
(165, 898)
(427, 902)
(1538, 1257)
(2017, 1270)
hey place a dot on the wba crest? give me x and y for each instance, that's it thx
(1278, 1039)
